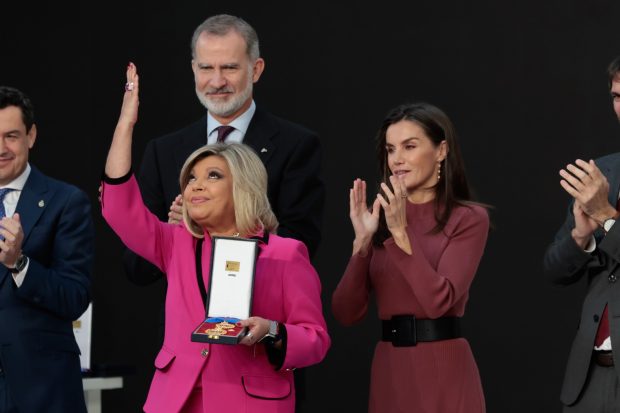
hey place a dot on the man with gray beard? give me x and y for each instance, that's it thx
(226, 63)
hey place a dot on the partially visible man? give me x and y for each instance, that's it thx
(226, 63)
(588, 245)
(46, 252)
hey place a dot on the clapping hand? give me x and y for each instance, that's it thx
(11, 240)
(365, 222)
(395, 205)
(587, 184)
(584, 226)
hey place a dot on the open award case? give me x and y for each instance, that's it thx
(231, 281)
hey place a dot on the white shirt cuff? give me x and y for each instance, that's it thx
(591, 245)
(19, 277)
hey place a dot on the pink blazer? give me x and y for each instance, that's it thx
(235, 378)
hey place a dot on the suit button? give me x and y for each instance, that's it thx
(612, 278)
(204, 352)
(596, 318)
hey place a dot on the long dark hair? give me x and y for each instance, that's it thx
(452, 188)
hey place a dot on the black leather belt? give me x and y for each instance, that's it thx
(603, 358)
(406, 330)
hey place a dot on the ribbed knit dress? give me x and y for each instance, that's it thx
(433, 282)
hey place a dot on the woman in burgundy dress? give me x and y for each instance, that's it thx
(418, 248)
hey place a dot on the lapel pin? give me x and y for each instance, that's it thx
(263, 150)
(41, 204)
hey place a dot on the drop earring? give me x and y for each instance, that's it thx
(438, 171)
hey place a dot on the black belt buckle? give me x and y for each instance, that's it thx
(403, 331)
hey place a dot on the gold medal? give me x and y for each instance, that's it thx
(225, 324)
(216, 331)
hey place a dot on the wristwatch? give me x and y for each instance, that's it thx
(609, 222)
(273, 335)
(20, 264)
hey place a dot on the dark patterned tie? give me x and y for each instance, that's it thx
(603, 327)
(3, 193)
(222, 132)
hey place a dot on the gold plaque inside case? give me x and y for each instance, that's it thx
(232, 265)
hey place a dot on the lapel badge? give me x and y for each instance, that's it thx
(41, 204)
(263, 150)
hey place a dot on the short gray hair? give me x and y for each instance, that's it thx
(221, 25)
(249, 186)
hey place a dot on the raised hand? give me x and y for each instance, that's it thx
(129, 110)
(118, 163)
(365, 222)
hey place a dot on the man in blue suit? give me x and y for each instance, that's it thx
(46, 252)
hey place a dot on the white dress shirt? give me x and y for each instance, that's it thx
(10, 204)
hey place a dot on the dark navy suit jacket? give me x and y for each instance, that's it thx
(38, 350)
(291, 154)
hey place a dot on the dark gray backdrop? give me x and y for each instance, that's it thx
(524, 83)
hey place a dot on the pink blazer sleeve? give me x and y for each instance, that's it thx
(307, 337)
(136, 226)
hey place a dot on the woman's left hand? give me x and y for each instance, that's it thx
(395, 205)
(258, 327)
(395, 208)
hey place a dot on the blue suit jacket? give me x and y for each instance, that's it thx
(566, 263)
(37, 347)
